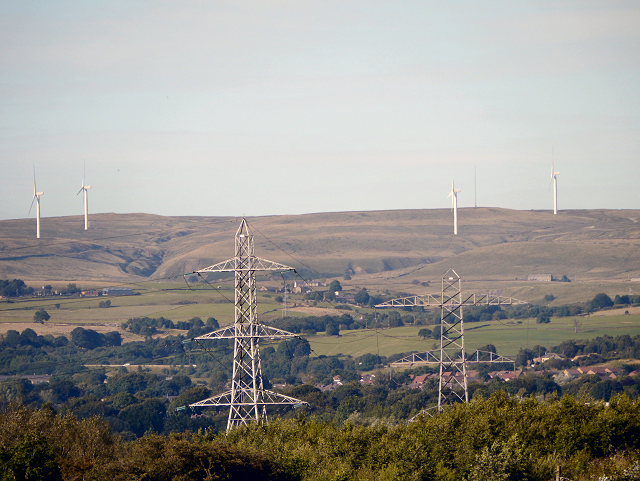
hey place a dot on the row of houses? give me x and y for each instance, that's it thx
(603, 372)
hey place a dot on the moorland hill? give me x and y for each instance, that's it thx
(492, 244)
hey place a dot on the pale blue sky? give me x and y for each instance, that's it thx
(289, 107)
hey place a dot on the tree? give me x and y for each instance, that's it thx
(105, 304)
(362, 296)
(524, 357)
(424, 333)
(41, 316)
(543, 318)
(332, 329)
(335, 286)
(212, 322)
(576, 325)
(145, 416)
(113, 338)
(489, 348)
(367, 362)
(29, 459)
(600, 301)
(14, 288)
(87, 338)
(622, 299)
(437, 332)
(72, 289)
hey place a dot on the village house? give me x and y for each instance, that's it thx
(89, 293)
(547, 356)
(506, 375)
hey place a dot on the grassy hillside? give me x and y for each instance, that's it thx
(383, 248)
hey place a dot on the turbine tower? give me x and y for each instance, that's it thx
(86, 201)
(247, 398)
(454, 205)
(554, 181)
(451, 357)
(36, 198)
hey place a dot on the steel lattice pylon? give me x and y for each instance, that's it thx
(247, 398)
(451, 357)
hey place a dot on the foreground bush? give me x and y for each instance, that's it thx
(498, 438)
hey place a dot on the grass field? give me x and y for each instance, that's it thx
(180, 303)
(508, 337)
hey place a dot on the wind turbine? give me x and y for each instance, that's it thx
(36, 197)
(86, 201)
(454, 205)
(554, 181)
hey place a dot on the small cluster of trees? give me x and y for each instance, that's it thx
(90, 339)
(148, 326)
(14, 288)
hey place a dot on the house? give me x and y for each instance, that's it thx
(342, 297)
(89, 293)
(598, 371)
(506, 375)
(572, 373)
(418, 381)
(547, 356)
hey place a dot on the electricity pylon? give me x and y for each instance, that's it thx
(247, 399)
(451, 357)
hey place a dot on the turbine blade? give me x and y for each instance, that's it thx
(80, 190)
(32, 201)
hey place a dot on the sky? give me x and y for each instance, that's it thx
(254, 108)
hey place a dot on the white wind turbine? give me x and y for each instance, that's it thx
(36, 198)
(86, 201)
(454, 205)
(554, 181)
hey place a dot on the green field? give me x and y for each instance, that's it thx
(180, 303)
(508, 337)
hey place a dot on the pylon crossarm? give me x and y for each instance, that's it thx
(244, 397)
(479, 357)
(429, 358)
(249, 331)
(491, 300)
(432, 300)
(421, 358)
(252, 263)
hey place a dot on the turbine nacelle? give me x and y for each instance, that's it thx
(36, 194)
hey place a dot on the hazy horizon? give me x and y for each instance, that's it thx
(276, 108)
